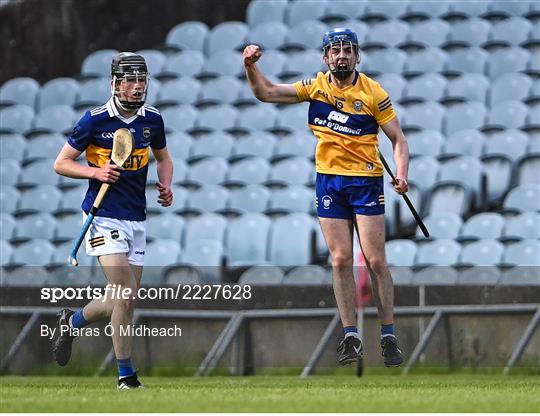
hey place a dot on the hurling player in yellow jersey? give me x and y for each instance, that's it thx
(346, 110)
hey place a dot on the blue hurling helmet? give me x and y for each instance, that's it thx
(340, 36)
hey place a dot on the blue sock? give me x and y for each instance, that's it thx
(387, 330)
(350, 329)
(125, 368)
(78, 321)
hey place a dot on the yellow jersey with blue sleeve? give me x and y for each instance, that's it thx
(93, 134)
(345, 122)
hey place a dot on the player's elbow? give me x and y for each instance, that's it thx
(57, 166)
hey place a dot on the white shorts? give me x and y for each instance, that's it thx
(112, 236)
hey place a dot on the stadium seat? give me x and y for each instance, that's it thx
(523, 226)
(479, 275)
(258, 117)
(291, 240)
(184, 90)
(469, 115)
(386, 9)
(307, 275)
(41, 225)
(72, 199)
(436, 276)
(187, 36)
(209, 171)
(6, 252)
(498, 172)
(93, 93)
(165, 226)
(272, 63)
(305, 62)
(426, 9)
(424, 171)
(401, 253)
(247, 240)
(224, 62)
(482, 253)
(208, 198)
(299, 11)
(442, 225)
(222, 90)
(465, 142)
(152, 206)
(21, 90)
(46, 146)
(528, 169)
(252, 170)
(161, 252)
(426, 60)
(427, 87)
(429, 33)
(388, 60)
(295, 198)
(300, 143)
(55, 119)
(305, 35)
(68, 227)
(427, 115)
(393, 84)
(469, 32)
(98, 64)
(415, 195)
(511, 143)
(523, 198)
(12, 146)
(506, 60)
(220, 117)
(180, 118)
(179, 145)
(448, 197)
(26, 277)
(218, 144)
(523, 253)
(58, 91)
(187, 63)
(33, 253)
(533, 118)
(339, 10)
(9, 196)
(387, 34)
(207, 255)
(227, 35)
(43, 198)
(155, 60)
(442, 252)
(508, 114)
(486, 225)
(207, 226)
(425, 142)
(262, 275)
(467, 60)
(466, 170)
(7, 226)
(510, 32)
(498, 9)
(9, 172)
(293, 117)
(467, 9)
(293, 171)
(468, 87)
(258, 143)
(39, 173)
(251, 198)
(16, 118)
(262, 11)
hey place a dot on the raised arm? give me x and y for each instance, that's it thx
(264, 89)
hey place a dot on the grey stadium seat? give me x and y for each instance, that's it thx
(208, 198)
(9, 196)
(401, 253)
(293, 199)
(425, 142)
(252, 170)
(393, 84)
(503, 61)
(511, 32)
(222, 90)
(442, 225)
(180, 170)
(261, 11)
(41, 225)
(6, 252)
(533, 117)
(482, 253)
(187, 63)
(152, 195)
(528, 170)
(389, 60)
(56, 119)
(465, 142)
(473, 87)
(468, 9)
(224, 62)
(511, 142)
(484, 225)
(463, 169)
(93, 93)
(10, 170)
(98, 63)
(427, 87)
(255, 144)
(339, 10)
(386, 9)
(227, 35)
(469, 115)
(508, 114)
(165, 226)
(12, 146)
(34, 253)
(269, 35)
(523, 253)
(448, 197)
(291, 240)
(43, 198)
(272, 63)
(208, 226)
(68, 227)
(218, 144)
(205, 253)
(58, 91)
(498, 172)
(187, 36)
(436, 276)
(305, 35)
(523, 198)
(426, 60)
(293, 171)
(424, 171)
(247, 240)
(155, 60)
(7, 228)
(251, 198)
(258, 117)
(180, 118)
(427, 115)
(39, 173)
(293, 117)
(179, 145)
(220, 117)
(507, 9)
(21, 90)
(210, 171)
(510, 86)
(307, 275)
(305, 62)
(426, 9)
(523, 226)
(162, 252)
(470, 32)
(298, 11)
(72, 199)
(184, 90)
(387, 34)
(262, 275)
(431, 32)
(299, 143)
(443, 252)
(467, 60)
(16, 119)
(479, 275)
(46, 146)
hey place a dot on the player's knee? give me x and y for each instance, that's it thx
(342, 260)
(378, 265)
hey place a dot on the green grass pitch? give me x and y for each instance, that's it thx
(373, 393)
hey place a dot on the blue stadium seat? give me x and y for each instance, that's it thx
(41, 225)
(162, 252)
(442, 225)
(293, 117)
(307, 275)
(505, 60)
(426, 60)
(68, 227)
(305, 35)
(165, 226)
(299, 11)
(184, 90)
(291, 240)
(10, 170)
(511, 143)
(401, 253)
(296, 198)
(222, 90)
(468, 9)
(393, 84)
(463, 116)
(427, 115)
(7, 226)
(262, 275)
(469, 32)
(429, 33)
(247, 240)
(466, 170)
(473, 87)
(58, 91)
(527, 169)
(207, 254)
(187, 36)
(339, 10)
(55, 119)
(16, 118)
(255, 144)
(486, 225)
(12, 146)
(179, 145)
(180, 118)
(42, 198)
(21, 90)
(293, 171)
(523, 226)
(427, 87)
(98, 64)
(226, 36)
(442, 252)
(467, 60)
(448, 197)
(251, 198)
(9, 196)
(34, 253)
(252, 170)
(46, 146)
(187, 63)
(426, 9)
(39, 173)
(386, 9)
(510, 32)
(479, 275)
(209, 171)
(482, 253)
(224, 62)
(305, 62)
(208, 226)
(498, 171)
(508, 114)
(262, 11)
(94, 92)
(272, 63)
(72, 199)
(208, 198)
(425, 142)
(523, 253)
(155, 60)
(424, 171)
(6, 253)
(523, 198)
(218, 144)
(299, 143)
(436, 276)
(510, 86)
(388, 60)
(498, 9)
(387, 34)
(258, 117)
(465, 142)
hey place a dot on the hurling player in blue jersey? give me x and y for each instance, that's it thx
(346, 110)
(117, 236)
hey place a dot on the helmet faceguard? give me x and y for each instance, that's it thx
(129, 80)
(341, 66)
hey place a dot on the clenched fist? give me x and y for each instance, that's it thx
(251, 54)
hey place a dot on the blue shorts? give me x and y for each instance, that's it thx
(341, 196)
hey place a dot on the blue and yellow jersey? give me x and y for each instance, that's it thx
(93, 135)
(345, 123)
